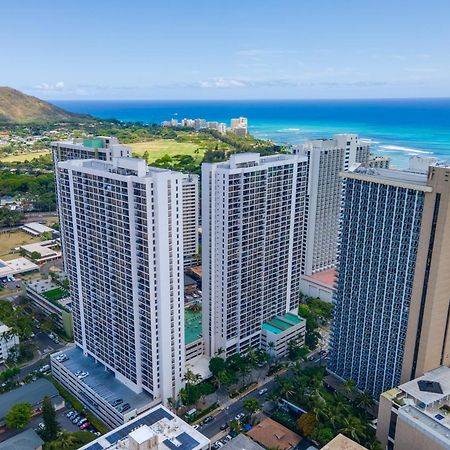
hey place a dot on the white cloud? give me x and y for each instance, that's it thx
(58, 86)
(222, 83)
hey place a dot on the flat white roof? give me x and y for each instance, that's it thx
(37, 227)
(440, 375)
(15, 266)
(44, 248)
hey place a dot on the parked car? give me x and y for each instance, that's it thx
(196, 426)
(70, 414)
(44, 369)
(117, 402)
(41, 426)
(62, 357)
(124, 407)
(97, 433)
(84, 425)
(78, 372)
(83, 375)
(208, 419)
(262, 391)
(82, 421)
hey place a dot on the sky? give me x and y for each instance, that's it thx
(246, 49)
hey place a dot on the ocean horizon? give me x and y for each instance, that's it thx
(399, 128)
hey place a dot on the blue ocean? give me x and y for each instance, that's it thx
(396, 128)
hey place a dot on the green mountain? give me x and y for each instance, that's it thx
(16, 107)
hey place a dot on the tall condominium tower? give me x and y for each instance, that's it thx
(191, 219)
(326, 159)
(122, 232)
(392, 303)
(253, 212)
(106, 148)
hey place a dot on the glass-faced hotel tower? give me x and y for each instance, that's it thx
(392, 303)
(122, 234)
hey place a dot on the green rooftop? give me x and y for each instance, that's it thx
(192, 325)
(279, 324)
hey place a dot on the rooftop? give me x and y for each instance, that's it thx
(279, 324)
(26, 440)
(44, 248)
(32, 393)
(390, 177)
(103, 381)
(242, 442)
(435, 392)
(271, 434)
(37, 228)
(157, 426)
(192, 325)
(326, 277)
(341, 442)
(17, 265)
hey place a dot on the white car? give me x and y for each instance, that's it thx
(196, 426)
(262, 391)
(83, 375)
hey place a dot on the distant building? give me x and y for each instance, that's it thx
(200, 124)
(26, 440)
(379, 162)
(16, 266)
(392, 311)
(420, 164)
(239, 126)
(157, 429)
(415, 415)
(46, 251)
(37, 229)
(253, 223)
(242, 442)
(7, 342)
(326, 159)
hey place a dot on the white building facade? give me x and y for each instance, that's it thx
(191, 218)
(122, 233)
(7, 342)
(253, 229)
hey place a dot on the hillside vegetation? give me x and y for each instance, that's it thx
(16, 107)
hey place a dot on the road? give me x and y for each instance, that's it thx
(227, 415)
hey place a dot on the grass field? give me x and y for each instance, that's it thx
(160, 147)
(8, 241)
(23, 157)
(55, 294)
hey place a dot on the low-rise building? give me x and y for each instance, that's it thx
(98, 389)
(242, 442)
(319, 285)
(271, 434)
(277, 332)
(7, 342)
(53, 301)
(157, 429)
(37, 229)
(44, 251)
(16, 266)
(379, 162)
(32, 393)
(26, 440)
(341, 442)
(416, 414)
(193, 332)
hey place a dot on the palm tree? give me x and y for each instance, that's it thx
(349, 386)
(285, 388)
(364, 400)
(353, 428)
(66, 440)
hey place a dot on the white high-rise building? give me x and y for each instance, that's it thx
(122, 233)
(253, 228)
(239, 126)
(191, 219)
(326, 159)
(106, 148)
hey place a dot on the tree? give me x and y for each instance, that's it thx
(348, 386)
(364, 400)
(217, 365)
(307, 424)
(66, 440)
(35, 255)
(252, 405)
(19, 416)
(50, 432)
(324, 435)
(353, 428)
